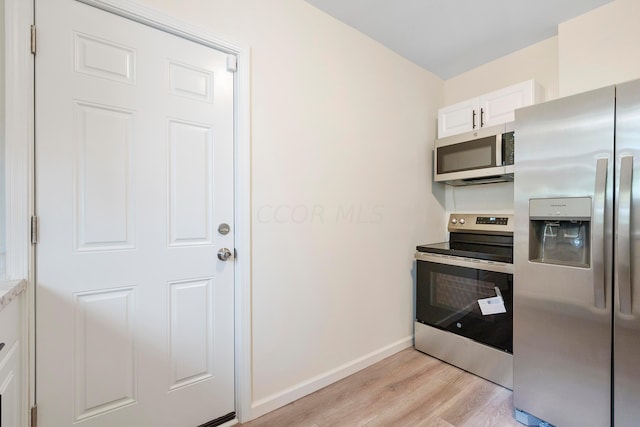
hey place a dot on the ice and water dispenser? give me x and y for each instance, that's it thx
(559, 231)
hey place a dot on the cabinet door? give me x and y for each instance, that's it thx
(499, 107)
(10, 386)
(10, 365)
(458, 118)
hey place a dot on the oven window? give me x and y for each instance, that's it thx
(447, 298)
(459, 294)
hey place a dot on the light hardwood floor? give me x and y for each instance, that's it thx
(406, 389)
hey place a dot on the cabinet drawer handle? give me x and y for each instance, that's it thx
(482, 117)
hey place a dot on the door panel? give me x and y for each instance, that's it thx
(134, 155)
(103, 193)
(104, 320)
(191, 173)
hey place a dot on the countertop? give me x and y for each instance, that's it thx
(10, 290)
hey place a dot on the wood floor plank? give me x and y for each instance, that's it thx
(409, 389)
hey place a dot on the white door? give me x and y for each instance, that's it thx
(134, 174)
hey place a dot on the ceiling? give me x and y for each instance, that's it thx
(449, 37)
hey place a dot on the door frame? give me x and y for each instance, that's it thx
(136, 12)
(19, 183)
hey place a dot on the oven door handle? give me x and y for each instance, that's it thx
(498, 267)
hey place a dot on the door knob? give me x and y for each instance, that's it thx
(224, 254)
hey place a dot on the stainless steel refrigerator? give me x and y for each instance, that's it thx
(576, 341)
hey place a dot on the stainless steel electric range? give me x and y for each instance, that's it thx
(464, 296)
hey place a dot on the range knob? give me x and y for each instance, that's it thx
(462, 221)
(454, 221)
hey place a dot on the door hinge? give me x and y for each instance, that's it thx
(34, 230)
(33, 39)
(34, 416)
(232, 63)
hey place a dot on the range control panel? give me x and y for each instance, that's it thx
(480, 223)
(495, 220)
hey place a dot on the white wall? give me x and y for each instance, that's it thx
(538, 61)
(600, 48)
(342, 130)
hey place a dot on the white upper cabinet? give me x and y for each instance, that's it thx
(459, 118)
(491, 109)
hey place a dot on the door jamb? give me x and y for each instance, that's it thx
(242, 176)
(19, 184)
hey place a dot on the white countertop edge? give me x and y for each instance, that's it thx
(10, 290)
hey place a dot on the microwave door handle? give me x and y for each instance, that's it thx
(622, 272)
(600, 193)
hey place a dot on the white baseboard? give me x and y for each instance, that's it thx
(277, 400)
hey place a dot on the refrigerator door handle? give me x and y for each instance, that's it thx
(600, 194)
(622, 233)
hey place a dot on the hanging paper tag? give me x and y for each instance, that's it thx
(493, 305)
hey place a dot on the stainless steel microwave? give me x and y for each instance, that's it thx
(478, 157)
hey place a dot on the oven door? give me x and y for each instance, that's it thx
(450, 292)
